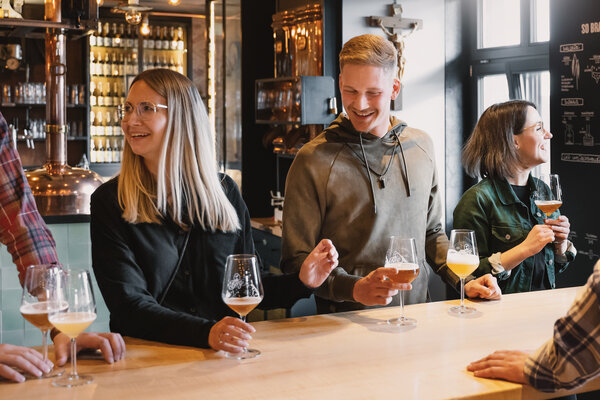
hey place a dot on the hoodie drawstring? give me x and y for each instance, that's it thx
(404, 170)
(362, 147)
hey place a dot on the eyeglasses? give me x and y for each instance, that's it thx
(538, 126)
(145, 110)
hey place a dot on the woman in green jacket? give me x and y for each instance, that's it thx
(516, 243)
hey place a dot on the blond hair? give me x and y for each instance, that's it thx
(187, 186)
(370, 50)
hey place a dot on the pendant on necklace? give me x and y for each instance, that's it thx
(381, 182)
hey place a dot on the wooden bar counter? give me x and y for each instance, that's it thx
(352, 355)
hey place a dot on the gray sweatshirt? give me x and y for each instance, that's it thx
(331, 192)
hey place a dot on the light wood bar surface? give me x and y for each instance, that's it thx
(345, 356)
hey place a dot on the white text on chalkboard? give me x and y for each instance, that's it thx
(592, 27)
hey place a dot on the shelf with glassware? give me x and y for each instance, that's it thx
(118, 52)
(23, 98)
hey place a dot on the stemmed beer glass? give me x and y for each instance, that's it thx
(242, 291)
(402, 255)
(548, 200)
(463, 260)
(39, 299)
(75, 289)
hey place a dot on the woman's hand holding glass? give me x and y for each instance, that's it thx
(548, 198)
(242, 292)
(230, 335)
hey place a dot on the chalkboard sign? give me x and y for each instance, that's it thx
(575, 124)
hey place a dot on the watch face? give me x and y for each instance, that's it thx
(12, 63)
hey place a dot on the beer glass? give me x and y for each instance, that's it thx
(402, 255)
(463, 260)
(39, 299)
(548, 194)
(75, 289)
(242, 291)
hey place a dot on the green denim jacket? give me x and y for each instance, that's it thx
(501, 221)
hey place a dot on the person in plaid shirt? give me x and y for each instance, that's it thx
(22, 229)
(29, 241)
(568, 360)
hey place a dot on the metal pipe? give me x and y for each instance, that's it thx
(56, 69)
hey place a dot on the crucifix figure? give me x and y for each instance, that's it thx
(393, 27)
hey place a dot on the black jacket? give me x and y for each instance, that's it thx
(133, 264)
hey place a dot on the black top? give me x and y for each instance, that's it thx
(133, 264)
(539, 279)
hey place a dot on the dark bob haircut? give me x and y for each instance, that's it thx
(490, 151)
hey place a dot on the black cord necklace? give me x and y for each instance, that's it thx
(380, 175)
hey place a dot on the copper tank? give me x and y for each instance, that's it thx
(58, 188)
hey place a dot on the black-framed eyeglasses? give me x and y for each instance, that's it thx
(145, 110)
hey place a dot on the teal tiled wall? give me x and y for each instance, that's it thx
(74, 251)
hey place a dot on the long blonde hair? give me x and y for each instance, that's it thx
(187, 186)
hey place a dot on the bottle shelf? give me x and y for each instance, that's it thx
(37, 105)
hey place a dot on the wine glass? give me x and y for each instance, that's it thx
(75, 289)
(402, 255)
(548, 194)
(242, 291)
(39, 299)
(463, 260)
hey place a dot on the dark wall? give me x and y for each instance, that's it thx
(258, 162)
(575, 124)
(458, 103)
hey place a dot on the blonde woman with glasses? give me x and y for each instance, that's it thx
(163, 228)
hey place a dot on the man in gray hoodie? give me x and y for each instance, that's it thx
(365, 178)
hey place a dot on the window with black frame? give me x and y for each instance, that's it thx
(509, 57)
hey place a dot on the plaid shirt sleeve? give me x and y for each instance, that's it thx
(572, 356)
(22, 228)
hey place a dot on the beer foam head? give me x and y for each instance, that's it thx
(461, 258)
(403, 266)
(43, 307)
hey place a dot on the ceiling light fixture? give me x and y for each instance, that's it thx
(133, 11)
(174, 2)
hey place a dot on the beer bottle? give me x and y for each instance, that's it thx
(93, 151)
(151, 38)
(108, 126)
(94, 94)
(106, 67)
(92, 123)
(158, 39)
(180, 43)
(100, 152)
(116, 153)
(106, 39)
(99, 125)
(99, 95)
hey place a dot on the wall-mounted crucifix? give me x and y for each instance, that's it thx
(397, 30)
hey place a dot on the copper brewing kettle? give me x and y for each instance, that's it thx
(58, 188)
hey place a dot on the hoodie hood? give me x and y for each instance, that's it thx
(341, 130)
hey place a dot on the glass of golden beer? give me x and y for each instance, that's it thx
(75, 289)
(463, 260)
(39, 299)
(548, 194)
(242, 291)
(402, 256)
